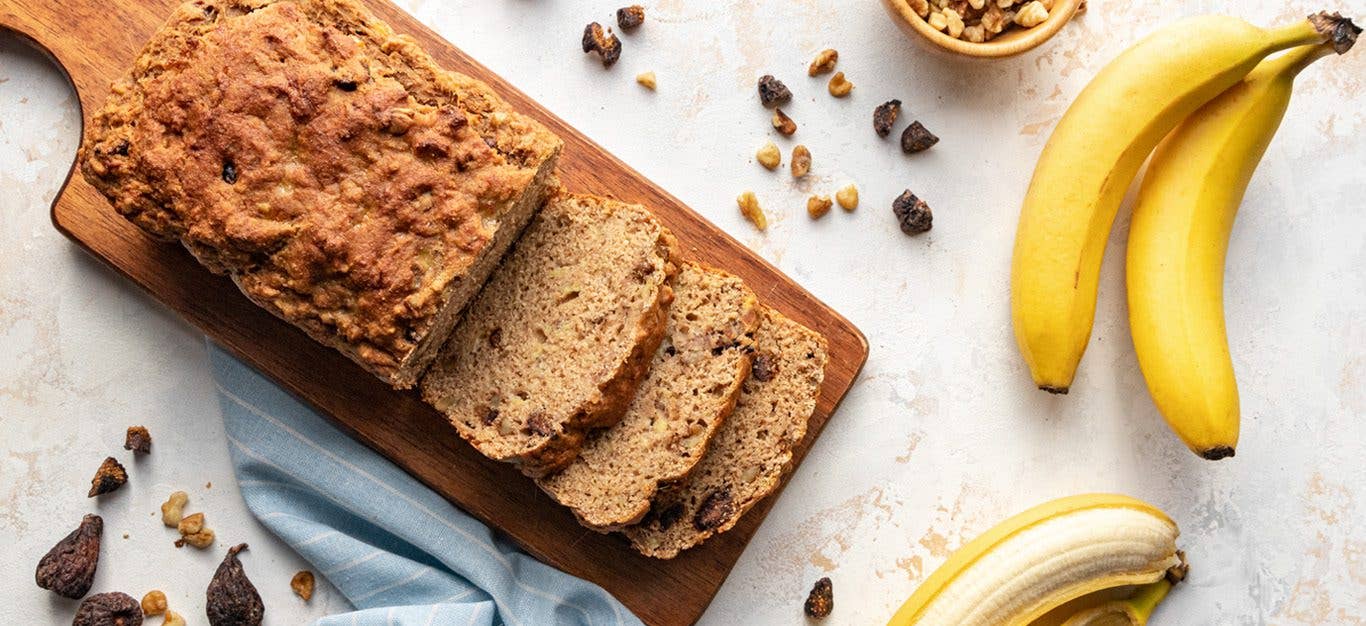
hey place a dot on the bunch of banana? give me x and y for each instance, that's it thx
(1082, 560)
(1207, 72)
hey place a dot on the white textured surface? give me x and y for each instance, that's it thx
(942, 436)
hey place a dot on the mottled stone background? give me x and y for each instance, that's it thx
(942, 436)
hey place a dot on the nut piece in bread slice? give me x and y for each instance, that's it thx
(339, 176)
(691, 388)
(752, 450)
(557, 340)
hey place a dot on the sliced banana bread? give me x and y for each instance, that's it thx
(691, 388)
(557, 340)
(752, 450)
(340, 177)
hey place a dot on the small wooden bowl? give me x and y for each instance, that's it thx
(1013, 41)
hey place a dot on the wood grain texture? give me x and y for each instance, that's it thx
(95, 41)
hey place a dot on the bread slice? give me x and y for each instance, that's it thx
(691, 388)
(558, 338)
(753, 449)
(341, 178)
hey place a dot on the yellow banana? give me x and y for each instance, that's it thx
(1120, 606)
(1177, 244)
(1095, 152)
(1040, 559)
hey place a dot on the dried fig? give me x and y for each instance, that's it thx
(232, 599)
(109, 609)
(69, 567)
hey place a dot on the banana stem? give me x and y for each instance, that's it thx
(1318, 28)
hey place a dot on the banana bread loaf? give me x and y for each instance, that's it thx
(558, 339)
(692, 386)
(752, 449)
(340, 177)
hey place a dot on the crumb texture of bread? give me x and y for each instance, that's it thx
(751, 451)
(692, 386)
(343, 180)
(558, 339)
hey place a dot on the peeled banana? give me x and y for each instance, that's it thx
(1094, 154)
(1177, 246)
(1039, 560)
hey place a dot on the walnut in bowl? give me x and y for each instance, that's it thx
(984, 28)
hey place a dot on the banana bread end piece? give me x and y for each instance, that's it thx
(341, 178)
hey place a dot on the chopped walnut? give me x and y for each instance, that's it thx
(154, 603)
(824, 62)
(801, 161)
(978, 21)
(630, 17)
(840, 86)
(921, 7)
(302, 584)
(783, 123)
(647, 80)
(194, 532)
(847, 196)
(606, 44)
(769, 156)
(749, 207)
(818, 206)
(1031, 14)
(953, 23)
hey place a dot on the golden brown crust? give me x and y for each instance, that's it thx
(343, 180)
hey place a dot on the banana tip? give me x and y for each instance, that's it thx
(1057, 391)
(1217, 452)
(1336, 29)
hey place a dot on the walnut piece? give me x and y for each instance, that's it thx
(824, 62)
(847, 197)
(154, 603)
(769, 156)
(783, 123)
(749, 207)
(801, 161)
(173, 509)
(839, 85)
(302, 584)
(818, 206)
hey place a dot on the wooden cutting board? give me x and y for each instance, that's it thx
(95, 41)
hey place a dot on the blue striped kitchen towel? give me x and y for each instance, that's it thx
(399, 553)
